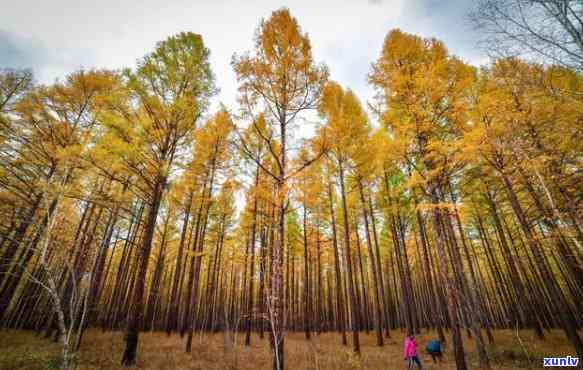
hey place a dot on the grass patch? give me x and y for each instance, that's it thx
(157, 351)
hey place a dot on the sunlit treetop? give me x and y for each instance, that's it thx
(280, 74)
(347, 130)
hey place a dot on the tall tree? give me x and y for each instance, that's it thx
(549, 31)
(426, 90)
(281, 79)
(345, 133)
(149, 122)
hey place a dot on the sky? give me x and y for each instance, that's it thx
(60, 36)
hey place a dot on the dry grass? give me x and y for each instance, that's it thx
(24, 350)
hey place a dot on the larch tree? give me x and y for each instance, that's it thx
(515, 126)
(150, 122)
(549, 31)
(425, 94)
(461, 212)
(345, 133)
(281, 79)
(211, 161)
(51, 131)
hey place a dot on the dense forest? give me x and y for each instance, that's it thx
(451, 202)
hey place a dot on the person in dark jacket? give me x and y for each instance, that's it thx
(434, 349)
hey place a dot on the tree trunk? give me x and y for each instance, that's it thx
(566, 318)
(377, 294)
(341, 326)
(458, 346)
(348, 256)
(136, 314)
(307, 313)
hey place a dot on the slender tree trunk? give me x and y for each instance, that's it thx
(172, 317)
(348, 256)
(566, 318)
(136, 314)
(250, 302)
(307, 313)
(377, 293)
(458, 346)
(341, 326)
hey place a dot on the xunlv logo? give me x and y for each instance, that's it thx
(561, 361)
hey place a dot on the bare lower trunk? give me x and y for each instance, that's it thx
(458, 346)
(137, 310)
(348, 255)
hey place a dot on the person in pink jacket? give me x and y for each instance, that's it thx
(410, 352)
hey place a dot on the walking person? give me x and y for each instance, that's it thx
(434, 349)
(410, 351)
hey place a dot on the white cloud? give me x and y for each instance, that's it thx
(347, 35)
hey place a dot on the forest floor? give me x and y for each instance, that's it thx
(25, 350)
